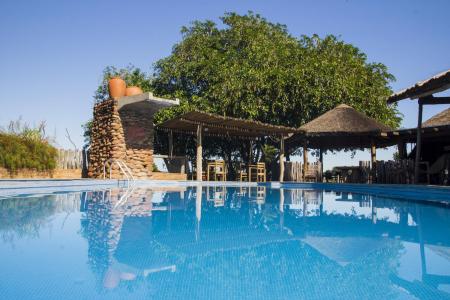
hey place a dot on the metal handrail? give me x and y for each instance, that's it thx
(122, 166)
(124, 198)
(128, 170)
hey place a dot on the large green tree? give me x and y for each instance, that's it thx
(252, 68)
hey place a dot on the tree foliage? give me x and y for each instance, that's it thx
(252, 68)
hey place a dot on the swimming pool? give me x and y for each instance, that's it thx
(177, 241)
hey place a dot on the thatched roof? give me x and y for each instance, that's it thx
(217, 125)
(435, 128)
(342, 127)
(441, 119)
(344, 120)
(435, 84)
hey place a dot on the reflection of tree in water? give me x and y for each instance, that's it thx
(26, 216)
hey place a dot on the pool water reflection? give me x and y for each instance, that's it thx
(222, 243)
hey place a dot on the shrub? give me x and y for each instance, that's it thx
(24, 146)
(17, 152)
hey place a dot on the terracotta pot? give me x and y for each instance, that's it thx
(133, 90)
(117, 87)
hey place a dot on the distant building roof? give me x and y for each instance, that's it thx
(435, 84)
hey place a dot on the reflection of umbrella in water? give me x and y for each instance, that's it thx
(344, 250)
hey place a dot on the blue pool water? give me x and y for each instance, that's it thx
(222, 243)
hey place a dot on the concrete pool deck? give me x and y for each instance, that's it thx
(19, 187)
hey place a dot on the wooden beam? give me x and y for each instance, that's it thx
(199, 162)
(225, 127)
(431, 100)
(418, 144)
(281, 158)
(401, 150)
(305, 161)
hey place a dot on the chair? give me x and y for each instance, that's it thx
(259, 170)
(242, 173)
(311, 173)
(194, 174)
(217, 170)
(425, 170)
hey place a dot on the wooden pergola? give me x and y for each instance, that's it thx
(423, 91)
(342, 128)
(200, 123)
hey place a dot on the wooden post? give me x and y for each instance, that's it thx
(170, 144)
(281, 158)
(418, 143)
(250, 152)
(321, 164)
(373, 159)
(199, 153)
(305, 161)
(401, 147)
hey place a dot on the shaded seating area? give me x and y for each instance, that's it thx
(341, 128)
(438, 126)
(200, 124)
(434, 164)
(353, 174)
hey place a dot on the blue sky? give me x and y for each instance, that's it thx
(52, 53)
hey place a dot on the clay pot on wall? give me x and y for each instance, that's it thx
(117, 87)
(133, 90)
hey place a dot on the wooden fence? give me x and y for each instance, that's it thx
(397, 172)
(293, 171)
(69, 159)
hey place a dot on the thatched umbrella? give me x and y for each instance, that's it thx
(342, 128)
